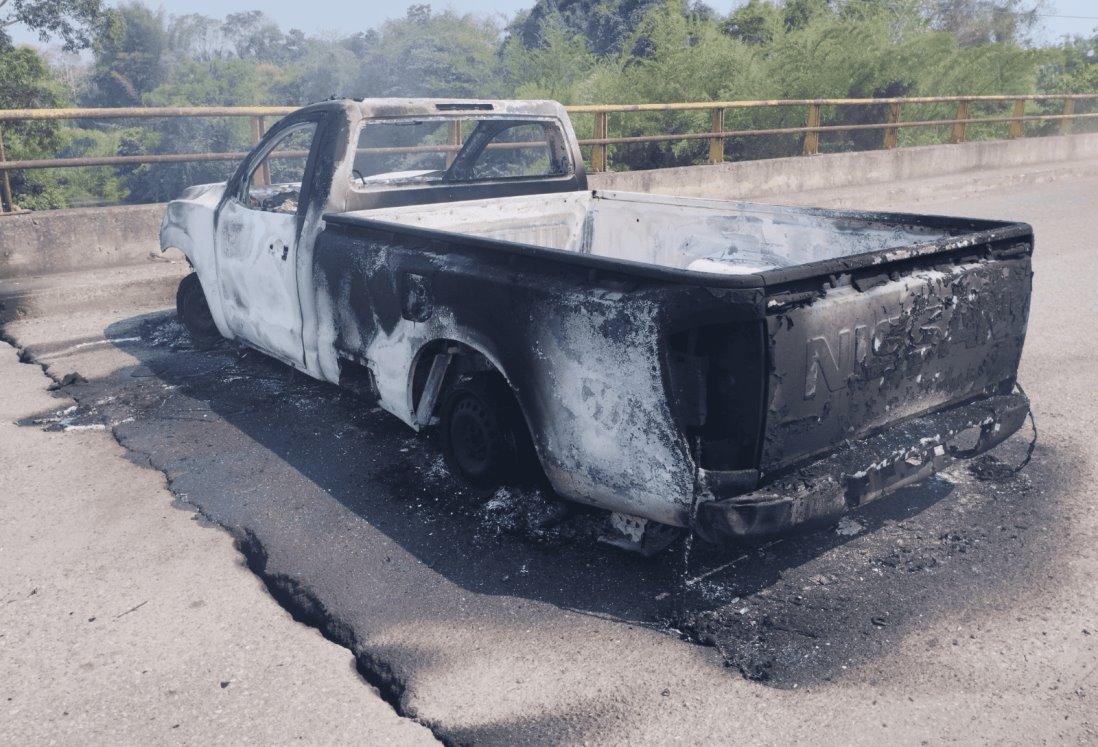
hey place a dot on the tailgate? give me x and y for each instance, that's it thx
(888, 337)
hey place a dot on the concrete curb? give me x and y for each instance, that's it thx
(148, 284)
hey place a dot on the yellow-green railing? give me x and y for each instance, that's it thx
(600, 142)
(717, 135)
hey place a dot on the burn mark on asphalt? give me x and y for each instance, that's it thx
(800, 611)
(808, 609)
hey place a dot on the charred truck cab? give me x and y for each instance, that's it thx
(733, 368)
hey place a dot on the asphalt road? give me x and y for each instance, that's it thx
(959, 611)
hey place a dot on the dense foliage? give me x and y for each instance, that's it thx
(575, 51)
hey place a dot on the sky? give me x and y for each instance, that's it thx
(339, 17)
(1070, 18)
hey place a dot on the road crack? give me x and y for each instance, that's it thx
(307, 609)
(302, 605)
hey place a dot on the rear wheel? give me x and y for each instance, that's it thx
(193, 311)
(482, 431)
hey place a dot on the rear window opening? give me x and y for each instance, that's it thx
(446, 150)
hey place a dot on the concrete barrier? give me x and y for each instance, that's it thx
(94, 238)
(53, 241)
(759, 179)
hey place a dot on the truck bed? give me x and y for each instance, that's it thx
(711, 236)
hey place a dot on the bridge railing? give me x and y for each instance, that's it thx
(988, 117)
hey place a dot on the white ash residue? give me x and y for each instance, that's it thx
(849, 527)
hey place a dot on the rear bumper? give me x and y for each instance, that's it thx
(864, 470)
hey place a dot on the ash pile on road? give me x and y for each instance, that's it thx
(805, 609)
(528, 511)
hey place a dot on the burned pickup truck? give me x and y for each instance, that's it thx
(734, 368)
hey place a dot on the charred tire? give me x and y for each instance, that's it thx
(193, 311)
(483, 434)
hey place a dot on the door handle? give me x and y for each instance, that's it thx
(275, 245)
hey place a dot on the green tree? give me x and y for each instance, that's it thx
(553, 69)
(74, 22)
(974, 22)
(606, 24)
(26, 83)
(323, 69)
(757, 22)
(225, 82)
(196, 37)
(128, 58)
(432, 54)
(1071, 68)
(674, 55)
(253, 35)
(799, 14)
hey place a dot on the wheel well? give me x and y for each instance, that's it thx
(466, 360)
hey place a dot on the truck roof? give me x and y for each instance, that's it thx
(397, 107)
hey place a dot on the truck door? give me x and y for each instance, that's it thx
(258, 231)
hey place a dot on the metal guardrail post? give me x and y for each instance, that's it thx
(455, 140)
(598, 150)
(812, 137)
(716, 145)
(7, 204)
(891, 137)
(1017, 126)
(1067, 125)
(960, 126)
(257, 135)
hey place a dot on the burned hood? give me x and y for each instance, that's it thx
(210, 191)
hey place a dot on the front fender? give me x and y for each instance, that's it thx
(188, 226)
